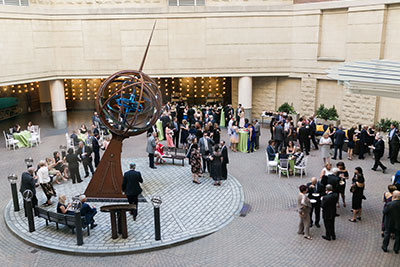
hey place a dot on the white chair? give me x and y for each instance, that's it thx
(301, 168)
(271, 164)
(33, 140)
(283, 166)
(10, 141)
(36, 133)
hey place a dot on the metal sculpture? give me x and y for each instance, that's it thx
(128, 103)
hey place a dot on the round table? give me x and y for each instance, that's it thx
(22, 138)
(243, 139)
(160, 130)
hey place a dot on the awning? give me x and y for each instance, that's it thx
(375, 77)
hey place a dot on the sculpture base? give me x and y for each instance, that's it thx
(106, 182)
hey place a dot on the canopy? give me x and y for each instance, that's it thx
(375, 77)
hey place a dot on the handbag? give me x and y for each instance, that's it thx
(352, 188)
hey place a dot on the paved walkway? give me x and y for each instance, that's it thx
(265, 237)
(188, 211)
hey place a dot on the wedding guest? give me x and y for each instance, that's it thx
(271, 150)
(290, 148)
(159, 152)
(234, 137)
(327, 170)
(379, 149)
(83, 129)
(363, 142)
(85, 155)
(30, 127)
(331, 132)
(169, 134)
(45, 182)
(175, 130)
(304, 209)
(357, 188)
(343, 176)
(225, 160)
(328, 205)
(16, 128)
(88, 212)
(184, 134)
(60, 164)
(73, 166)
(315, 191)
(313, 128)
(325, 143)
(387, 197)
(216, 134)
(251, 139)
(195, 163)
(304, 138)
(131, 187)
(351, 144)
(257, 130)
(96, 149)
(394, 142)
(241, 118)
(28, 182)
(63, 207)
(392, 223)
(339, 137)
(53, 172)
(278, 136)
(216, 165)
(206, 149)
(150, 149)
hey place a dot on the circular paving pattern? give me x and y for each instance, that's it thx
(188, 211)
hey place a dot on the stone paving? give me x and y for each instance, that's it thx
(265, 237)
(188, 211)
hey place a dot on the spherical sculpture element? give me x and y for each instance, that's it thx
(128, 103)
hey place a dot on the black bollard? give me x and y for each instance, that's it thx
(78, 227)
(15, 196)
(29, 211)
(26, 214)
(157, 225)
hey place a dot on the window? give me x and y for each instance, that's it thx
(15, 2)
(186, 2)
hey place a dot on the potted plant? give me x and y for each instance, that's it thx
(328, 115)
(290, 111)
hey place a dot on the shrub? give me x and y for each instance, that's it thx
(384, 124)
(285, 107)
(327, 113)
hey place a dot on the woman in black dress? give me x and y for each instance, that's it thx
(60, 166)
(216, 166)
(184, 134)
(343, 176)
(357, 188)
(351, 144)
(216, 134)
(63, 207)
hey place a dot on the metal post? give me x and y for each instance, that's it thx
(15, 196)
(29, 211)
(78, 228)
(157, 225)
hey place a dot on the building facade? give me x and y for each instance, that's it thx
(271, 51)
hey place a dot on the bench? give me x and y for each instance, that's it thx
(175, 156)
(58, 218)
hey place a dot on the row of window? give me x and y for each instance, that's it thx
(15, 2)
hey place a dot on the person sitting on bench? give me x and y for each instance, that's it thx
(88, 212)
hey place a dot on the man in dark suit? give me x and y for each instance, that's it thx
(314, 188)
(176, 129)
(28, 181)
(96, 149)
(131, 187)
(391, 214)
(379, 149)
(85, 155)
(328, 205)
(75, 139)
(150, 149)
(339, 137)
(271, 150)
(88, 212)
(225, 160)
(304, 139)
(363, 142)
(165, 119)
(313, 129)
(73, 166)
(279, 136)
(206, 148)
(393, 144)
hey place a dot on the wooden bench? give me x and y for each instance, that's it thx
(58, 218)
(175, 156)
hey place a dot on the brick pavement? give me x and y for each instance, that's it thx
(265, 237)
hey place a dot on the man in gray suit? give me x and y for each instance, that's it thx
(278, 136)
(258, 133)
(151, 145)
(206, 149)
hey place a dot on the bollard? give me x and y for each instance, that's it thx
(156, 201)
(29, 209)
(76, 206)
(12, 178)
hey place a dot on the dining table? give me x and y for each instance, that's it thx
(160, 130)
(243, 140)
(22, 138)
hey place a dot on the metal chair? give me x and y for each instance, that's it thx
(301, 168)
(271, 164)
(283, 166)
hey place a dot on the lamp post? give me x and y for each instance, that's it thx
(76, 207)
(12, 178)
(156, 201)
(28, 194)
(29, 162)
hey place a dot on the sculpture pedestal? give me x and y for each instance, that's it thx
(106, 182)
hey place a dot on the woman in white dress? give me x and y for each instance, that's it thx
(327, 170)
(241, 115)
(325, 144)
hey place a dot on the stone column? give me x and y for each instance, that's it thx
(308, 96)
(358, 109)
(58, 106)
(245, 90)
(45, 101)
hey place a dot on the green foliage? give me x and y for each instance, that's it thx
(327, 113)
(384, 124)
(285, 107)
